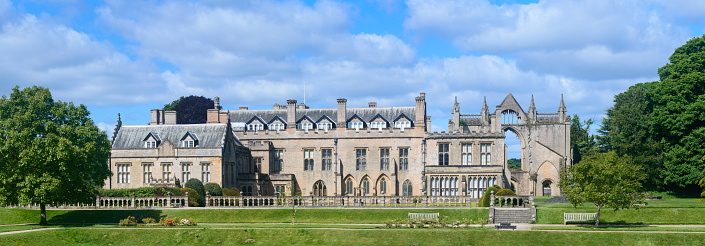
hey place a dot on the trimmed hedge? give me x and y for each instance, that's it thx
(193, 196)
(505, 192)
(213, 189)
(197, 185)
(231, 192)
(485, 199)
(140, 192)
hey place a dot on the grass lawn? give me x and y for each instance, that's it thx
(89, 236)
(620, 228)
(332, 216)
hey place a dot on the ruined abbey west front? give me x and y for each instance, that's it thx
(342, 151)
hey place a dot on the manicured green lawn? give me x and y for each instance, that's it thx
(620, 228)
(334, 216)
(87, 236)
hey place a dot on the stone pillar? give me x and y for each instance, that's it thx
(186, 205)
(133, 199)
(208, 198)
(168, 199)
(97, 202)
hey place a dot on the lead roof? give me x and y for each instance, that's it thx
(209, 135)
(366, 114)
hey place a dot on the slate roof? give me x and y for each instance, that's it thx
(209, 135)
(367, 114)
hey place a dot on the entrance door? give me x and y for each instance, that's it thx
(547, 188)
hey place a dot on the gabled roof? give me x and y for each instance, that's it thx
(326, 118)
(154, 135)
(510, 102)
(365, 114)
(379, 116)
(276, 117)
(305, 117)
(355, 116)
(402, 115)
(257, 118)
(208, 135)
(190, 134)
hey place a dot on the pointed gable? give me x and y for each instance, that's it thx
(258, 119)
(379, 116)
(153, 136)
(305, 118)
(325, 118)
(190, 136)
(510, 102)
(275, 119)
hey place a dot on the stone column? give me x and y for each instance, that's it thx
(133, 199)
(208, 198)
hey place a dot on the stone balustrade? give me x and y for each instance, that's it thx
(168, 201)
(511, 201)
(340, 201)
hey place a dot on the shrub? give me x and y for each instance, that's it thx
(231, 192)
(165, 191)
(129, 221)
(149, 220)
(197, 185)
(505, 192)
(213, 189)
(193, 197)
(485, 199)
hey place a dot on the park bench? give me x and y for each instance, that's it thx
(423, 216)
(505, 226)
(579, 217)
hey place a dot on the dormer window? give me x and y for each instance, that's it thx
(304, 126)
(402, 124)
(152, 140)
(255, 127)
(378, 124)
(150, 144)
(276, 126)
(188, 143)
(189, 140)
(357, 125)
(325, 125)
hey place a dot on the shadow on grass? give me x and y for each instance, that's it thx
(93, 217)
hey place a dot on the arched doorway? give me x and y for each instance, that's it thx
(546, 187)
(319, 188)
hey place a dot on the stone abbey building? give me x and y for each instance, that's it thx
(342, 151)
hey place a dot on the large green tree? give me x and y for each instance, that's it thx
(605, 179)
(661, 124)
(191, 109)
(51, 152)
(581, 141)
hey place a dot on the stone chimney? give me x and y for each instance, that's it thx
(372, 104)
(213, 115)
(243, 108)
(342, 117)
(420, 120)
(157, 117)
(170, 117)
(291, 113)
(302, 106)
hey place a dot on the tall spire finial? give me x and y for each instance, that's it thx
(532, 102)
(562, 106)
(484, 103)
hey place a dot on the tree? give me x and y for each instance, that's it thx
(191, 109)
(606, 180)
(295, 196)
(213, 189)
(514, 163)
(50, 151)
(581, 142)
(197, 185)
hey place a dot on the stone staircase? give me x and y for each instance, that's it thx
(558, 199)
(512, 215)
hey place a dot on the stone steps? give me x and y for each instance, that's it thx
(512, 216)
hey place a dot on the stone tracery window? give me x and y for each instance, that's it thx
(407, 188)
(319, 188)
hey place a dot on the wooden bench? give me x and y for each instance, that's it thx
(505, 226)
(579, 217)
(423, 216)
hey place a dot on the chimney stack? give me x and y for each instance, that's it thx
(342, 107)
(291, 113)
(372, 104)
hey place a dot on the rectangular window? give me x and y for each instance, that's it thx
(325, 125)
(308, 160)
(276, 126)
(466, 154)
(378, 124)
(150, 144)
(354, 125)
(383, 159)
(188, 143)
(123, 173)
(443, 154)
(205, 172)
(185, 172)
(278, 160)
(255, 127)
(361, 159)
(485, 154)
(280, 190)
(147, 171)
(304, 126)
(166, 171)
(258, 164)
(404, 159)
(402, 124)
(326, 159)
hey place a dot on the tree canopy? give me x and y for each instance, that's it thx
(50, 151)
(661, 124)
(605, 179)
(191, 109)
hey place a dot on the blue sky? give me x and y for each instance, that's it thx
(131, 56)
